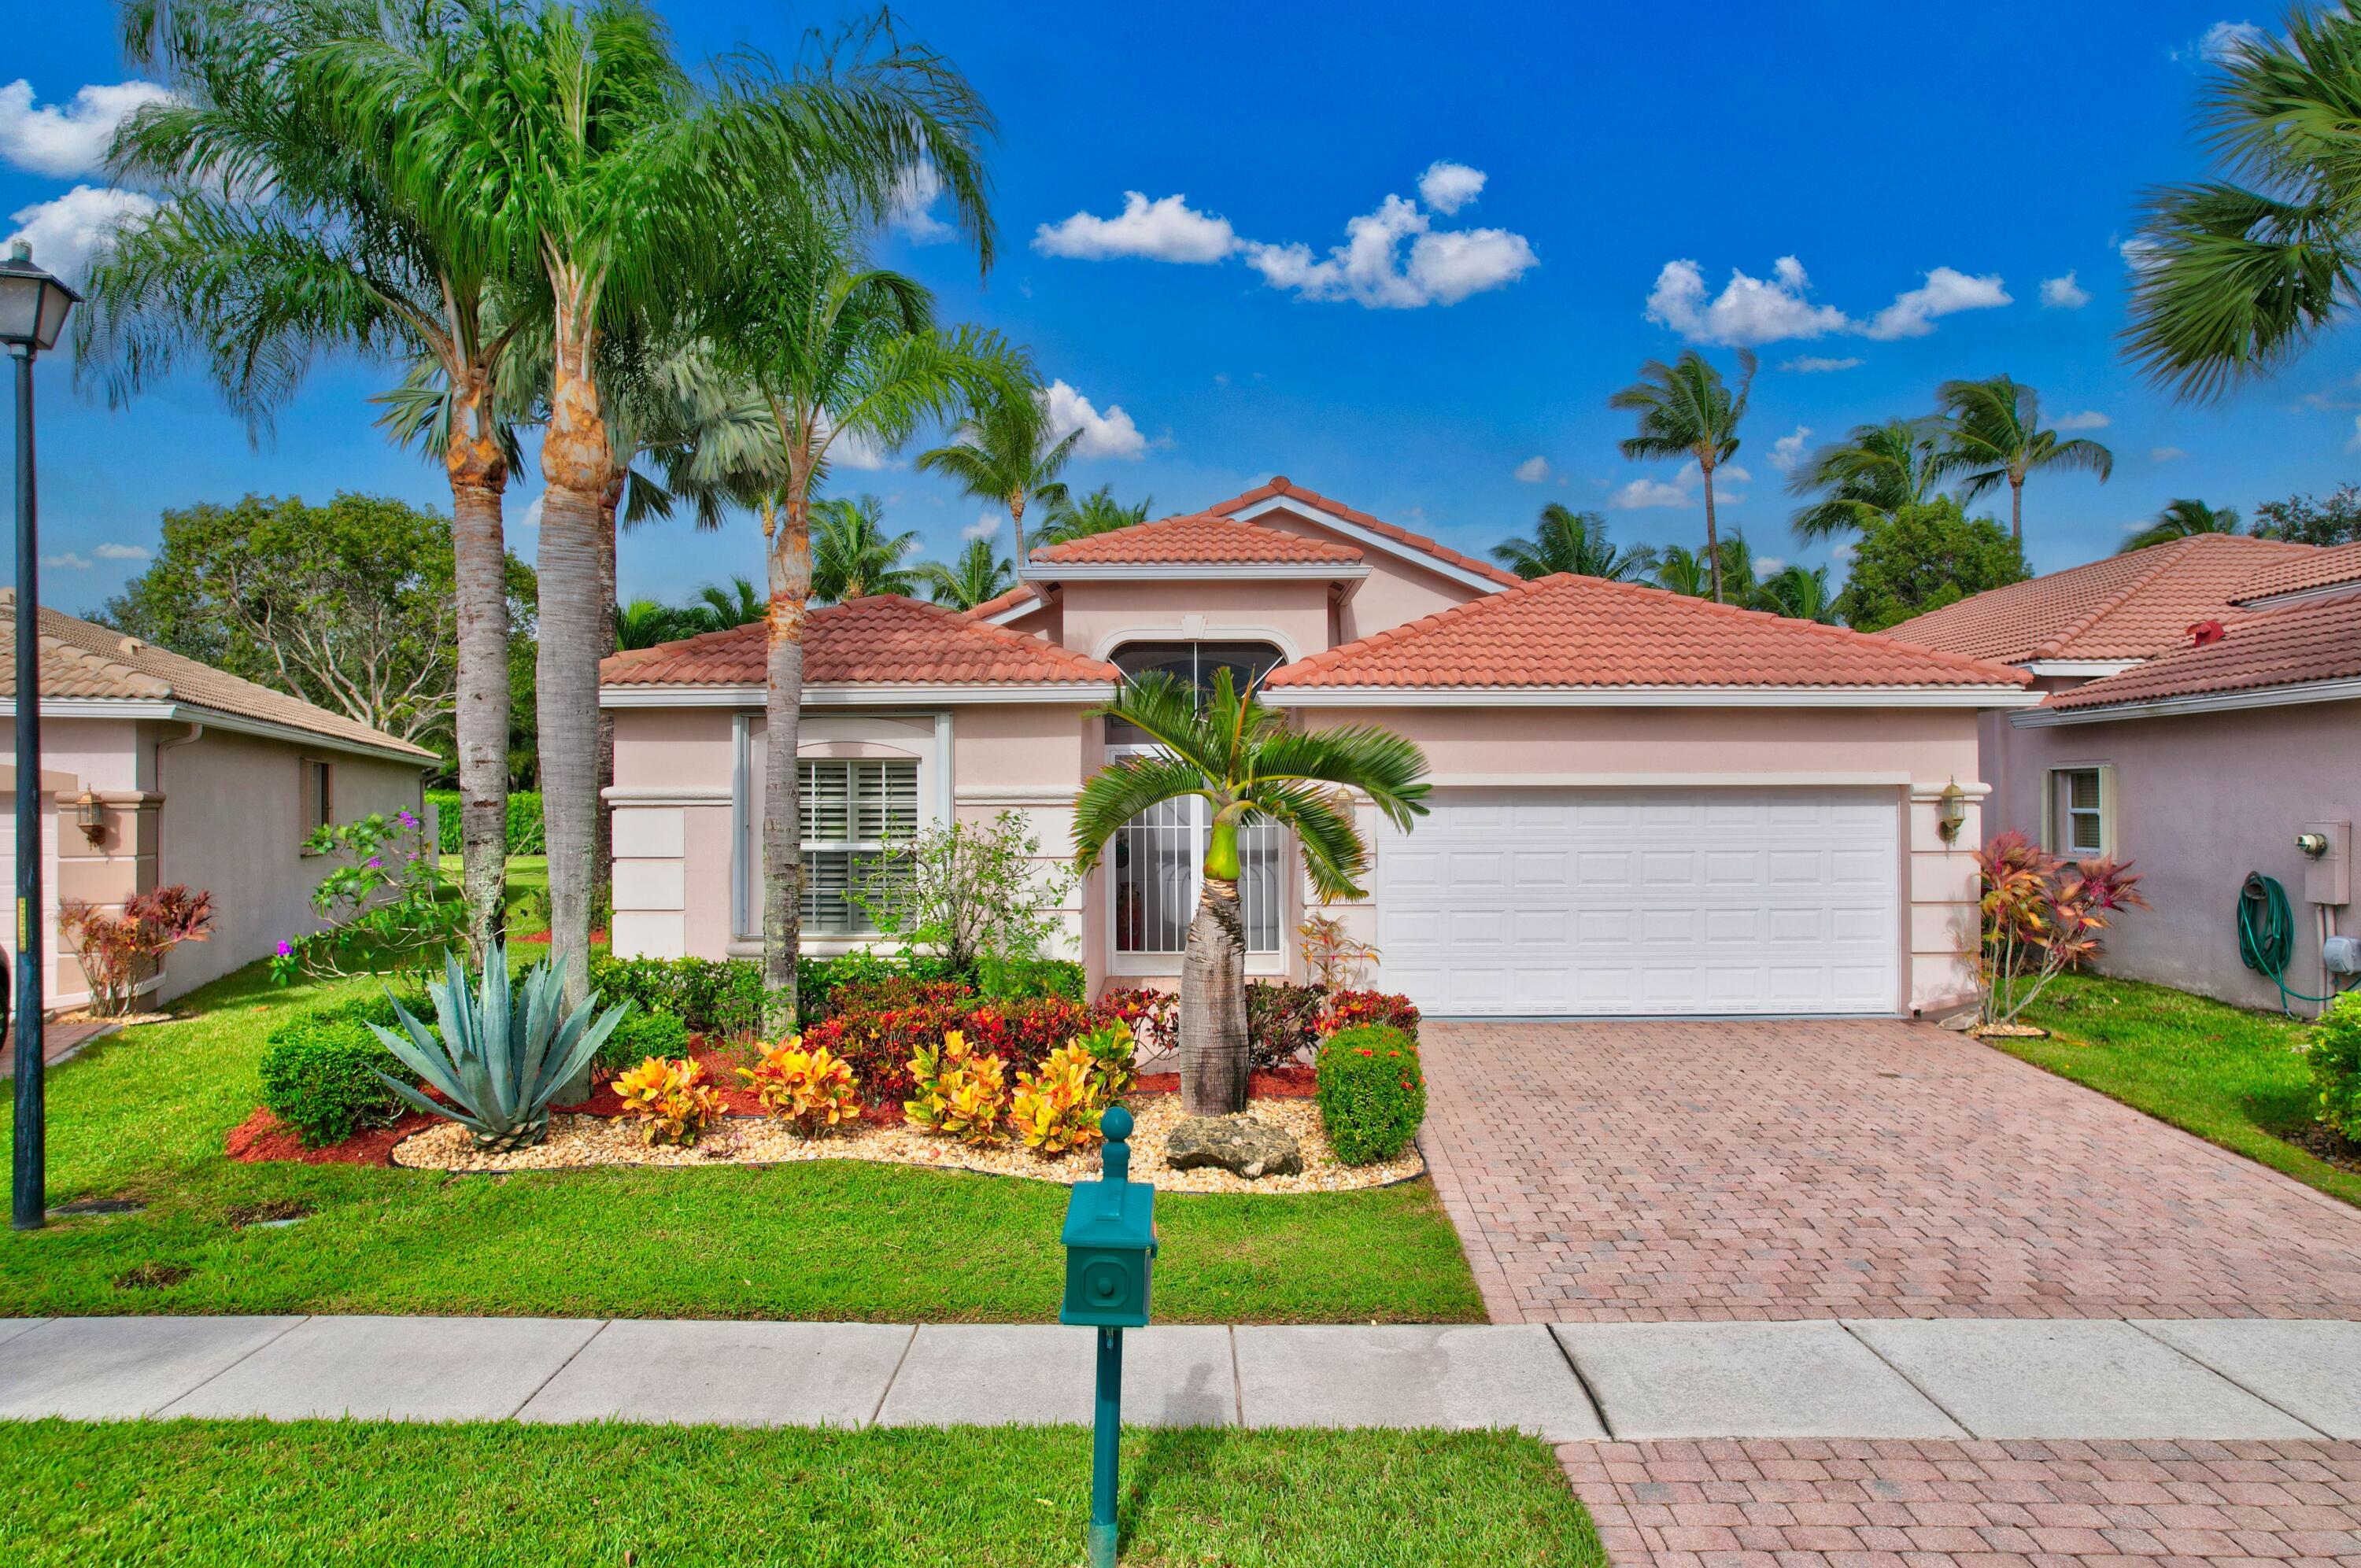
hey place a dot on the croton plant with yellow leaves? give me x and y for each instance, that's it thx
(673, 1096)
(812, 1090)
(960, 1092)
(1056, 1109)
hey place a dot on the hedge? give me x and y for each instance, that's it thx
(1372, 1095)
(317, 1074)
(525, 836)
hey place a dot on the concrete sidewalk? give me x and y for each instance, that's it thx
(1944, 1378)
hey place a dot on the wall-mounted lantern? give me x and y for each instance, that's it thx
(1950, 811)
(91, 818)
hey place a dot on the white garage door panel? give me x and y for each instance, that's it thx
(1534, 902)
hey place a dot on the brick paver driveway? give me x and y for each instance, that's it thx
(1606, 1171)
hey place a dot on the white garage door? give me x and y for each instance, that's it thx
(1535, 902)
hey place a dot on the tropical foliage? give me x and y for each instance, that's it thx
(976, 895)
(2183, 518)
(2041, 917)
(1872, 473)
(853, 555)
(1244, 762)
(1577, 541)
(959, 1091)
(812, 1090)
(1372, 1092)
(1687, 411)
(673, 1097)
(1097, 512)
(978, 575)
(121, 950)
(2303, 521)
(1993, 436)
(1007, 452)
(1922, 558)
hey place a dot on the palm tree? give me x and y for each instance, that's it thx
(1872, 473)
(978, 576)
(1098, 512)
(831, 350)
(1248, 766)
(2180, 519)
(1575, 541)
(568, 138)
(2236, 274)
(1006, 451)
(644, 623)
(319, 253)
(717, 609)
(853, 556)
(1798, 594)
(1697, 573)
(1992, 433)
(1687, 411)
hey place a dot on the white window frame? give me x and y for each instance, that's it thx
(858, 850)
(2057, 810)
(1259, 961)
(315, 794)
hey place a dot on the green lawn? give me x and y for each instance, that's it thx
(2230, 1076)
(252, 1493)
(143, 1115)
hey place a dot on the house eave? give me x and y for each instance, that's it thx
(1370, 539)
(1650, 696)
(2289, 696)
(2095, 669)
(1193, 571)
(170, 710)
(862, 694)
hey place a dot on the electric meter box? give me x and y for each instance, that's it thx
(2328, 876)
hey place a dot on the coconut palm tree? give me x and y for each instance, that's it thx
(644, 623)
(1798, 594)
(1098, 512)
(1695, 573)
(573, 143)
(2235, 275)
(717, 609)
(1872, 473)
(1992, 434)
(1565, 541)
(319, 252)
(2180, 519)
(853, 556)
(1006, 451)
(1687, 411)
(1248, 766)
(977, 575)
(833, 350)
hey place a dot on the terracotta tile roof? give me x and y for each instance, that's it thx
(2132, 606)
(87, 662)
(1201, 539)
(885, 639)
(2319, 639)
(1282, 486)
(1007, 601)
(1582, 631)
(2320, 569)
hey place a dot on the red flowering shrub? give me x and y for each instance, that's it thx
(1350, 1009)
(892, 993)
(1282, 1022)
(880, 1044)
(1154, 1016)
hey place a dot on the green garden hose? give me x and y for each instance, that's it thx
(2266, 936)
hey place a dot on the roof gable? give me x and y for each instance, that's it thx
(2318, 639)
(1200, 539)
(883, 640)
(1573, 631)
(2330, 568)
(1360, 528)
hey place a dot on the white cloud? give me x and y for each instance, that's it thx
(2063, 293)
(1642, 494)
(1766, 564)
(1814, 365)
(2354, 443)
(854, 450)
(2165, 453)
(914, 201)
(2088, 419)
(1108, 435)
(1533, 470)
(62, 142)
(69, 562)
(1788, 450)
(532, 518)
(1369, 269)
(1748, 311)
(1946, 292)
(1165, 230)
(65, 234)
(1845, 551)
(1686, 488)
(1448, 187)
(2139, 252)
(2224, 41)
(984, 527)
(121, 552)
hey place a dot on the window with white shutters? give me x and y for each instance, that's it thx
(858, 815)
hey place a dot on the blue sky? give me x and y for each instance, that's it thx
(1915, 165)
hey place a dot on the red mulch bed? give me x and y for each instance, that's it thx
(1286, 1083)
(541, 939)
(262, 1136)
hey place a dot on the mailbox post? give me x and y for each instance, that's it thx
(1109, 1240)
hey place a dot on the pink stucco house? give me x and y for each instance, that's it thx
(2202, 709)
(157, 769)
(1644, 804)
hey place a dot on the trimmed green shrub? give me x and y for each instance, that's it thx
(2333, 1054)
(1019, 979)
(640, 1035)
(724, 996)
(1372, 1092)
(525, 834)
(320, 1068)
(711, 996)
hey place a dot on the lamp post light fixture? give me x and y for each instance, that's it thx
(1950, 812)
(33, 307)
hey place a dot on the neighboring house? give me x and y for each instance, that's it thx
(1643, 804)
(188, 775)
(2203, 708)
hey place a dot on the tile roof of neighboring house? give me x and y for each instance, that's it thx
(2319, 639)
(2299, 574)
(83, 662)
(884, 640)
(1282, 486)
(1014, 598)
(1201, 539)
(1583, 632)
(2132, 606)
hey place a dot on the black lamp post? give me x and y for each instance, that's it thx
(33, 307)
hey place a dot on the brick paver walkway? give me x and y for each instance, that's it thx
(1972, 1505)
(1629, 1171)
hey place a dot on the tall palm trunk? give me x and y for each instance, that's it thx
(1016, 521)
(602, 844)
(786, 532)
(573, 630)
(1712, 532)
(1214, 1005)
(479, 474)
(2016, 508)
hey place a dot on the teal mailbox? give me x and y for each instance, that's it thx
(1109, 1240)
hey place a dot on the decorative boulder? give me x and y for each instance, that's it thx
(1239, 1145)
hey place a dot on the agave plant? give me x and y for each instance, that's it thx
(502, 1058)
